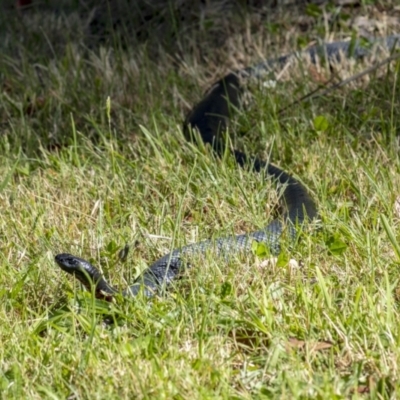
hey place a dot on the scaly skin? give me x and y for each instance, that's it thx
(210, 118)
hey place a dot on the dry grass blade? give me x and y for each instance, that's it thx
(93, 162)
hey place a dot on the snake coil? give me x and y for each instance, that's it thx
(210, 118)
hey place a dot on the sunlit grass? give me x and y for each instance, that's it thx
(93, 159)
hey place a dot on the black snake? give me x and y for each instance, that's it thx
(210, 118)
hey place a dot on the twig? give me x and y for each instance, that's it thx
(310, 95)
(314, 94)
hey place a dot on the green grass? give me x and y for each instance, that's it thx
(87, 175)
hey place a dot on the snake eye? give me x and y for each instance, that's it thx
(67, 260)
(70, 261)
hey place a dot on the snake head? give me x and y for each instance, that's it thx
(70, 263)
(87, 274)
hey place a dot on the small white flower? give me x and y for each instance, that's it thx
(270, 84)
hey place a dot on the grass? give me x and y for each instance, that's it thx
(93, 159)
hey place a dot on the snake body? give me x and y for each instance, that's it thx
(210, 118)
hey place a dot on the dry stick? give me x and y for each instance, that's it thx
(308, 96)
(314, 94)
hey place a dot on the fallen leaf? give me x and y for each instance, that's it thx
(362, 389)
(312, 346)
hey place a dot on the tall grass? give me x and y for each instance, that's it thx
(93, 159)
